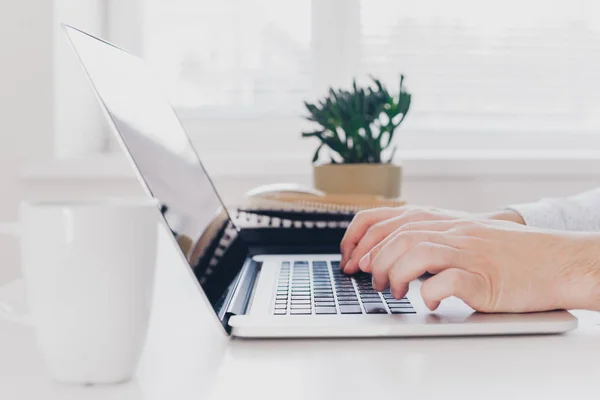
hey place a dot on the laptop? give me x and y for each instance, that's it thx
(257, 293)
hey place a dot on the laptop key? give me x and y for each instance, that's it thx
(325, 310)
(370, 296)
(301, 311)
(350, 309)
(402, 311)
(294, 301)
(373, 308)
(403, 305)
(325, 303)
(371, 301)
(300, 306)
(347, 302)
(280, 312)
(363, 290)
(397, 302)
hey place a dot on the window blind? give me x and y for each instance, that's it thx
(510, 64)
(516, 61)
(233, 55)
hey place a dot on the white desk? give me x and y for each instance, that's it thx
(187, 357)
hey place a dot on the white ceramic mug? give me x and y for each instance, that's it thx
(89, 274)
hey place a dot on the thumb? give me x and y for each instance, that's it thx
(465, 285)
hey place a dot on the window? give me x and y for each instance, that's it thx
(231, 56)
(484, 74)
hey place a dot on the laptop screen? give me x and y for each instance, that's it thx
(167, 163)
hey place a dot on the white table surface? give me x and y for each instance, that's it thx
(188, 357)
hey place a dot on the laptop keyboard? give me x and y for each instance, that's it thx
(306, 288)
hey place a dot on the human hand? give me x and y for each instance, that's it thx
(370, 227)
(492, 266)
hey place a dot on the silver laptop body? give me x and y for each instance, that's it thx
(256, 294)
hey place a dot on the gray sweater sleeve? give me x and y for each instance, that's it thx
(576, 213)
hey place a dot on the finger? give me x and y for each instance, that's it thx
(453, 282)
(365, 263)
(359, 225)
(393, 254)
(379, 231)
(425, 257)
(374, 234)
(440, 225)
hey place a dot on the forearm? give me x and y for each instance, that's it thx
(578, 287)
(576, 213)
(579, 284)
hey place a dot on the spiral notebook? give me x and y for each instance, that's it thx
(302, 220)
(307, 207)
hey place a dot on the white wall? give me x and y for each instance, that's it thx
(464, 193)
(25, 102)
(79, 127)
(36, 95)
(26, 132)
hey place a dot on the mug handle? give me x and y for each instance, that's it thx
(11, 291)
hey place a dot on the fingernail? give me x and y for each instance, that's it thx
(373, 282)
(364, 262)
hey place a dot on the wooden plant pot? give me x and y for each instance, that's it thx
(359, 179)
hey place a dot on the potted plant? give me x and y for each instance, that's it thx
(358, 126)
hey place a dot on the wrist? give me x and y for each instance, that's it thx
(579, 280)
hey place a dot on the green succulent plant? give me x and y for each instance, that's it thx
(358, 124)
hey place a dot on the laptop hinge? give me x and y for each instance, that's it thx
(241, 296)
